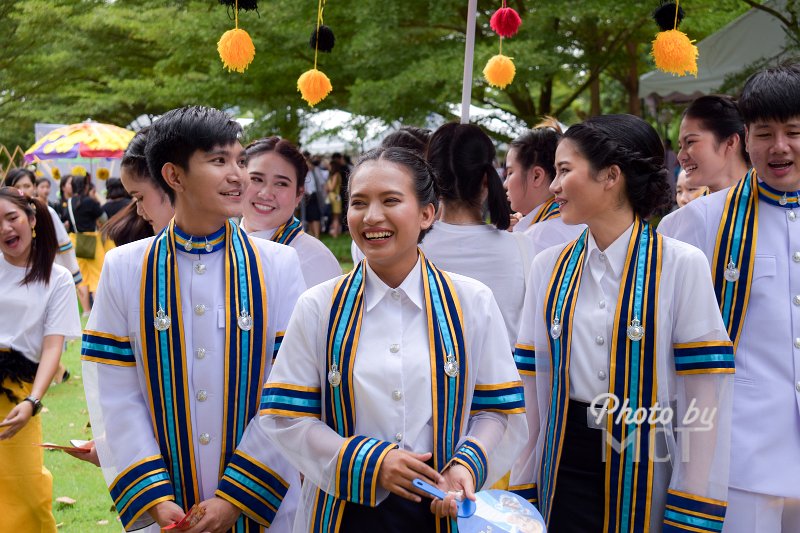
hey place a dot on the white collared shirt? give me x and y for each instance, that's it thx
(117, 395)
(392, 378)
(765, 442)
(524, 223)
(594, 317)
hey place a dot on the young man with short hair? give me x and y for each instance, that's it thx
(180, 341)
(750, 234)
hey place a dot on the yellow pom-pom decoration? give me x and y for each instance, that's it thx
(56, 173)
(102, 174)
(236, 50)
(314, 86)
(79, 171)
(673, 52)
(499, 71)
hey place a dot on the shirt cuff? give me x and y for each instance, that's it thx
(140, 487)
(688, 512)
(472, 455)
(357, 468)
(252, 487)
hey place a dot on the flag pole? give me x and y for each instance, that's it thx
(469, 53)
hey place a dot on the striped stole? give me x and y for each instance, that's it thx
(288, 232)
(736, 248)
(164, 352)
(446, 338)
(548, 211)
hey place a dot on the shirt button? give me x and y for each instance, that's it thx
(397, 395)
(394, 348)
(797, 342)
(200, 353)
(796, 257)
(602, 304)
(796, 299)
(797, 386)
(395, 294)
(398, 437)
(199, 309)
(792, 216)
(599, 340)
(601, 375)
(602, 256)
(202, 396)
(205, 438)
(200, 268)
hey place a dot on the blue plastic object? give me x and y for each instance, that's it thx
(466, 508)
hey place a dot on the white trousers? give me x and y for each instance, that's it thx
(749, 512)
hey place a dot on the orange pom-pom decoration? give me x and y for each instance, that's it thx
(314, 86)
(673, 52)
(236, 50)
(505, 22)
(499, 71)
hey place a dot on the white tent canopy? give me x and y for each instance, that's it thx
(754, 36)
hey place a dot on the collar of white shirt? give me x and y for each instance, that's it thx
(376, 290)
(615, 255)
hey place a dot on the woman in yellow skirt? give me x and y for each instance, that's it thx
(38, 312)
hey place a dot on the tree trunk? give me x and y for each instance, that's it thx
(632, 84)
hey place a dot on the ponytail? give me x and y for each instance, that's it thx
(462, 155)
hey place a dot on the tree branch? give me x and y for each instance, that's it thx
(775, 13)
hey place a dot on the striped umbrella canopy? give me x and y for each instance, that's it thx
(86, 139)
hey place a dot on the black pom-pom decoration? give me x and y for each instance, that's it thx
(244, 5)
(322, 40)
(665, 16)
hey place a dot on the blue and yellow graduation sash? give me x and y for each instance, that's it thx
(357, 478)
(548, 211)
(164, 359)
(736, 244)
(288, 232)
(632, 377)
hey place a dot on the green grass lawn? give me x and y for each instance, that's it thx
(66, 418)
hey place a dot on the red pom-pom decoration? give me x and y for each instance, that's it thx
(505, 22)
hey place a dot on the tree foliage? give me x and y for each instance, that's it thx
(68, 60)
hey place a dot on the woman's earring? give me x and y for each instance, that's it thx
(33, 233)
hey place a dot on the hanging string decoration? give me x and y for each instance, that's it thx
(235, 47)
(500, 70)
(673, 51)
(313, 84)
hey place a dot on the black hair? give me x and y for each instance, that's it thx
(115, 189)
(39, 181)
(16, 174)
(720, 115)
(634, 146)
(409, 137)
(134, 158)
(63, 183)
(462, 154)
(537, 147)
(422, 173)
(286, 150)
(126, 226)
(80, 186)
(772, 94)
(45, 244)
(181, 132)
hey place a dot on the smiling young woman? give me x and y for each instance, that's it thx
(395, 323)
(620, 311)
(39, 311)
(712, 145)
(276, 168)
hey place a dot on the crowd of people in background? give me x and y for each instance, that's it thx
(498, 322)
